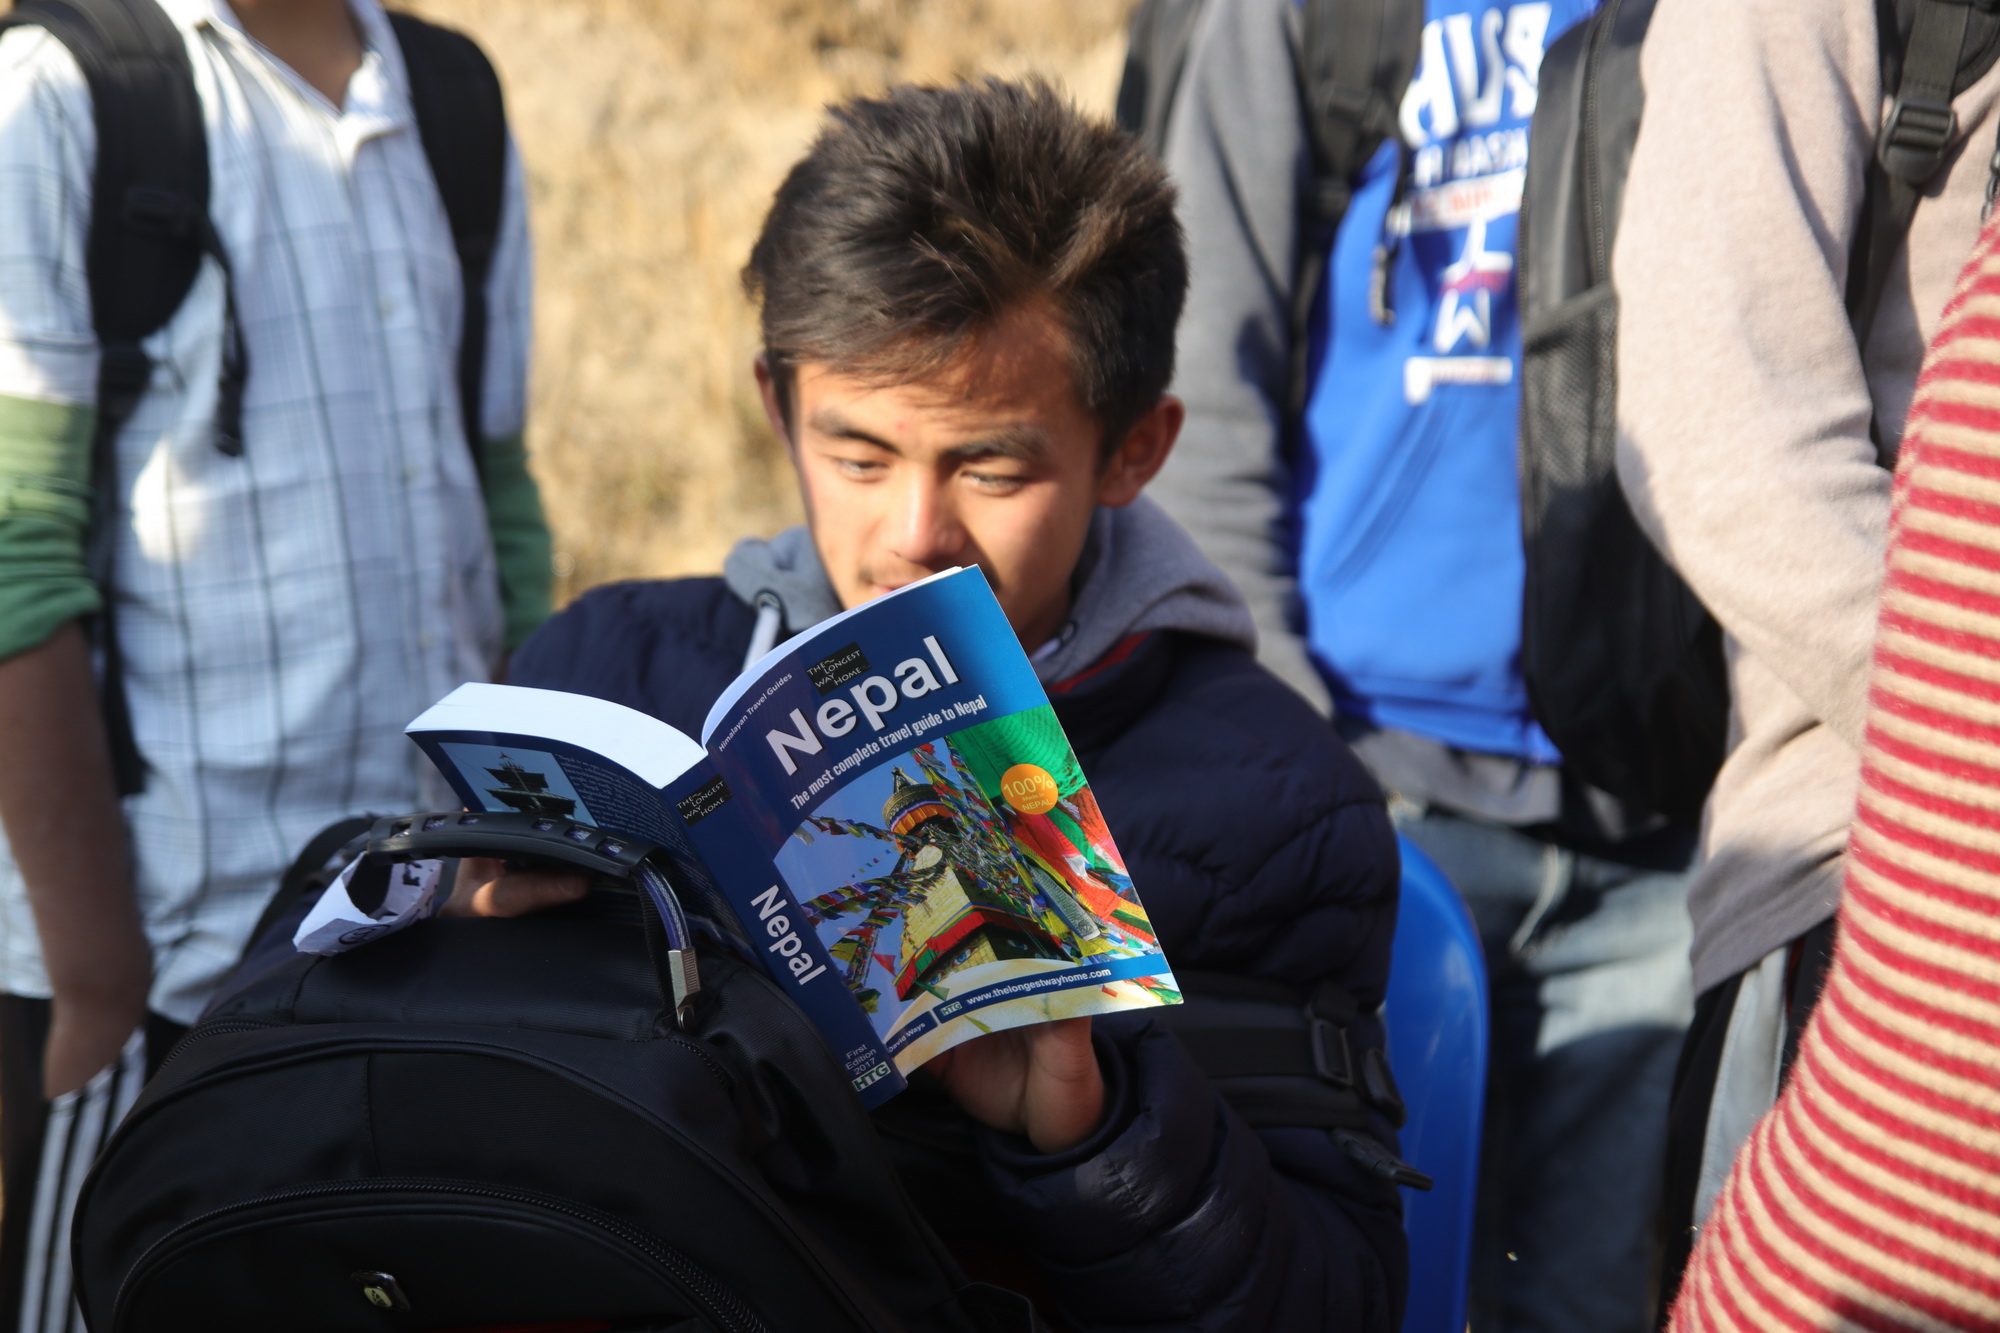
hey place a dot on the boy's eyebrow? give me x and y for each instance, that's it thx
(1027, 443)
(828, 421)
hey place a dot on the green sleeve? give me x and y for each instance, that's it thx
(44, 519)
(521, 544)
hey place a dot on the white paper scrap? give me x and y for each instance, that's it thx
(336, 925)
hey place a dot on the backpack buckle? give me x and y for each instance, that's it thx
(1915, 136)
(1333, 1059)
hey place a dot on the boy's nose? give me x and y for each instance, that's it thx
(927, 531)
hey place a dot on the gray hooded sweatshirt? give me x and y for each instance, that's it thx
(1139, 572)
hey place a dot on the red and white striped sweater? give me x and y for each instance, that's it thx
(1869, 1198)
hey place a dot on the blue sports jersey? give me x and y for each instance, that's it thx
(1410, 560)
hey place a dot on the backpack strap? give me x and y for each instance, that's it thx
(149, 225)
(1155, 56)
(1356, 58)
(149, 230)
(462, 120)
(1947, 50)
(1280, 1056)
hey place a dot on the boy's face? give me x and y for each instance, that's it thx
(993, 462)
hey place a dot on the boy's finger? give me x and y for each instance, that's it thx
(521, 892)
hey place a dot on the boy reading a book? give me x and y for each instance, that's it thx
(969, 298)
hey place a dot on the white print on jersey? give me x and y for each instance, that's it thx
(1468, 288)
(1420, 373)
(1488, 73)
(1474, 155)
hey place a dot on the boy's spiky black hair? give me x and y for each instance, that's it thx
(917, 217)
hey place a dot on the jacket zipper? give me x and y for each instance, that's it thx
(721, 1303)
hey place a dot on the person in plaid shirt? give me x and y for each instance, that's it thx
(281, 612)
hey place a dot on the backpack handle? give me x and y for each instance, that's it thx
(514, 836)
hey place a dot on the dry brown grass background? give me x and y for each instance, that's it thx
(654, 132)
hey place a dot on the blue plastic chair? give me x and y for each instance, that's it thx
(1436, 1017)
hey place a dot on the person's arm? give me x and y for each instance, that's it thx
(1866, 1197)
(58, 804)
(514, 517)
(64, 825)
(1743, 412)
(1236, 147)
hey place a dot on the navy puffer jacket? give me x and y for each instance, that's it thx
(1260, 847)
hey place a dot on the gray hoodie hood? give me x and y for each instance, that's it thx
(1139, 572)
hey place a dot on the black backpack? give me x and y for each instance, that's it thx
(498, 1122)
(480, 1123)
(1623, 664)
(150, 227)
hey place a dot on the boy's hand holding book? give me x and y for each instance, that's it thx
(485, 887)
(1041, 1082)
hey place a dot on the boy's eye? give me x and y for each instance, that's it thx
(858, 468)
(994, 483)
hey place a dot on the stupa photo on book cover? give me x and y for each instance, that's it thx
(976, 875)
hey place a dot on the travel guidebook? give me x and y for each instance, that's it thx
(885, 805)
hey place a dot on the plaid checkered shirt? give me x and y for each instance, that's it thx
(283, 613)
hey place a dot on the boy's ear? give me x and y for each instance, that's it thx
(767, 389)
(1142, 453)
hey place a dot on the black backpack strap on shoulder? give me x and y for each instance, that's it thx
(462, 119)
(148, 232)
(1355, 59)
(1281, 1057)
(149, 217)
(1946, 50)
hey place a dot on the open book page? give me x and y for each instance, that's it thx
(575, 758)
(506, 747)
(916, 825)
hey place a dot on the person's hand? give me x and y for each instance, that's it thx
(486, 887)
(87, 1030)
(1041, 1081)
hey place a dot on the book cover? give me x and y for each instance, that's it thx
(912, 797)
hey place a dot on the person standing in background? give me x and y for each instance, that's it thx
(1753, 429)
(1870, 1196)
(287, 590)
(1378, 539)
